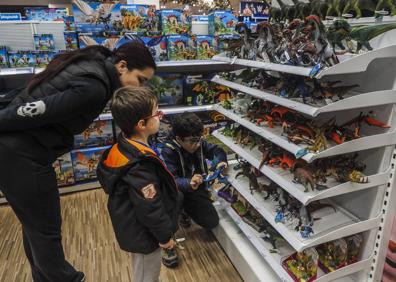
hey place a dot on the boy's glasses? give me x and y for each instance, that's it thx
(159, 114)
(193, 140)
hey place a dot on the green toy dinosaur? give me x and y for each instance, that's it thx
(387, 4)
(288, 11)
(358, 6)
(319, 8)
(340, 30)
(336, 7)
(302, 9)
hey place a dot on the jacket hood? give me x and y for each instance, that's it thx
(118, 159)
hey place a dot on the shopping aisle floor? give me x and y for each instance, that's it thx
(90, 246)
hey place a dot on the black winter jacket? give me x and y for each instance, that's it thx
(45, 120)
(144, 201)
(184, 165)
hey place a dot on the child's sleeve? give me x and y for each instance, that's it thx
(212, 152)
(172, 161)
(148, 202)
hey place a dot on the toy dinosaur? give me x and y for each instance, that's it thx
(319, 8)
(264, 44)
(363, 34)
(387, 4)
(288, 11)
(247, 49)
(302, 9)
(357, 7)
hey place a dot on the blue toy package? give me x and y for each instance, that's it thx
(85, 162)
(43, 58)
(99, 133)
(199, 18)
(63, 167)
(70, 25)
(168, 88)
(206, 47)
(109, 40)
(181, 47)
(4, 57)
(222, 22)
(157, 46)
(21, 59)
(224, 40)
(71, 40)
(44, 42)
(175, 22)
(45, 14)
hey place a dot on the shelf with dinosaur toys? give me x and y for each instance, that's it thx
(275, 250)
(295, 222)
(305, 138)
(350, 100)
(302, 183)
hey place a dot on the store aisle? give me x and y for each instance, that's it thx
(91, 247)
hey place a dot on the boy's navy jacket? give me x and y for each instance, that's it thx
(141, 217)
(184, 165)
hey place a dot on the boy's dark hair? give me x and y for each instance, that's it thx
(129, 105)
(187, 124)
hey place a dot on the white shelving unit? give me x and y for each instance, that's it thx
(359, 207)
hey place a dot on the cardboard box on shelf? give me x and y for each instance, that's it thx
(181, 47)
(222, 22)
(85, 162)
(99, 133)
(64, 170)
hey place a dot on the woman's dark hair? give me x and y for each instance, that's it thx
(186, 125)
(134, 53)
(129, 105)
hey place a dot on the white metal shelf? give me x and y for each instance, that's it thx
(70, 189)
(331, 226)
(192, 66)
(365, 21)
(275, 136)
(371, 99)
(285, 250)
(356, 64)
(284, 178)
(170, 110)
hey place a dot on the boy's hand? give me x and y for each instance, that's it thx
(223, 164)
(196, 180)
(169, 245)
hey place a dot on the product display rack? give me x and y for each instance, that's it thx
(361, 208)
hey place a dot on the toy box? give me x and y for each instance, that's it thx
(206, 47)
(70, 25)
(99, 133)
(44, 42)
(175, 22)
(333, 255)
(85, 162)
(64, 170)
(43, 58)
(225, 40)
(168, 88)
(21, 59)
(3, 57)
(45, 14)
(199, 91)
(108, 39)
(71, 40)
(181, 47)
(302, 266)
(222, 22)
(157, 46)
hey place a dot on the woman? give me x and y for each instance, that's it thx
(38, 126)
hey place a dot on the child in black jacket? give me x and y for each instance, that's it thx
(185, 155)
(143, 197)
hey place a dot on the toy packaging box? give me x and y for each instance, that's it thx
(85, 162)
(206, 47)
(44, 42)
(3, 57)
(45, 14)
(157, 46)
(21, 59)
(222, 22)
(70, 25)
(168, 88)
(71, 40)
(64, 170)
(175, 22)
(199, 91)
(109, 40)
(224, 40)
(181, 47)
(43, 58)
(99, 133)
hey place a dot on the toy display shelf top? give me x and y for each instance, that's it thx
(353, 100)
(274, 259)
(355, 64)
(275, 136)
(170, 111)
(193, 66)
(285, 178)
(332, 225)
